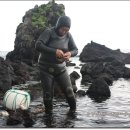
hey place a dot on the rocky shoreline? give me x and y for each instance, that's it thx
(19, 69)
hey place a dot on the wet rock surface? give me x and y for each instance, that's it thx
(16, 73)
(99, 88)
(94, 52)
(109, 71)
(5, 78)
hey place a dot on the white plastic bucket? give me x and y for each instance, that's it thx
(14, 98)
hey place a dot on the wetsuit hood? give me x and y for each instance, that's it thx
(63, 21)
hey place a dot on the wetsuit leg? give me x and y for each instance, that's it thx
(64, 82)
(47, 84)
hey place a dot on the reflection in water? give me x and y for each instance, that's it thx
(48, 120)
(113, 112)
(52, 120)
(98, 99)
(70, 120)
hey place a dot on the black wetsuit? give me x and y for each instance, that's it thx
(52, 68)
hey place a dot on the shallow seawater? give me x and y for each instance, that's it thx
(111, 113)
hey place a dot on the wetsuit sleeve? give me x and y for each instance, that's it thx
(72, 46)
(41, 44)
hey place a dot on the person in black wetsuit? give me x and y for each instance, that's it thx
(56, 46)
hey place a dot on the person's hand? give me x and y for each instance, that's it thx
(67, 55)
(59, 53)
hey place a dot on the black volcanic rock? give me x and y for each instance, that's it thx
(99, 88)
(75, 75)
(5, 78)
(94, 52)
(33, 23)
(109, 71)
(80, 93)
(20, 65)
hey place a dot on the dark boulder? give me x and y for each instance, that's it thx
(115, 69)
(127, 59)
(20, 117)
(20, 73)
(75, 75)
(5, 78)
(108, 78)
(80, 93)
(15, 73)
(99, 88)
(77, 67)
(92, 68)
(126, 73)
(68, 63)
(86, 79)
(109, 71)
(94, 52)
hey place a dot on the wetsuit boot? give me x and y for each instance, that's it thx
(72, 104)
(48, 106)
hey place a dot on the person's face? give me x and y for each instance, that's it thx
(63, 30)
